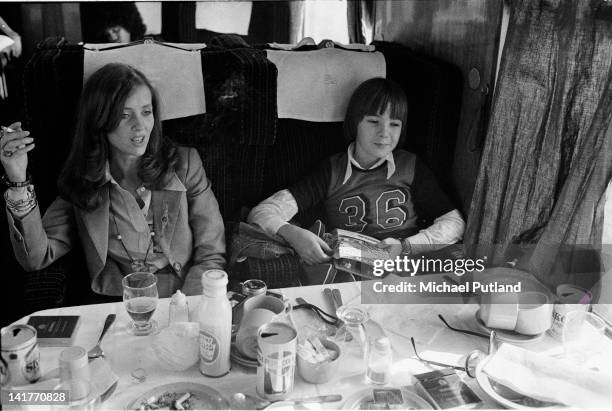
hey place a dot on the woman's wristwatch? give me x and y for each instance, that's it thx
(13, 184)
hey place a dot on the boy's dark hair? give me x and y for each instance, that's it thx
(372, 97)
(99, 112)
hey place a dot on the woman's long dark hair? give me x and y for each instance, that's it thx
(99, 112)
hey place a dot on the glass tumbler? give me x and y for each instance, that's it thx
(352, 339)
(78, 396)
(583, 336)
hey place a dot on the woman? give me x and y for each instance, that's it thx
(372, 188)
(134, 200)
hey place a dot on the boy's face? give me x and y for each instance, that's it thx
(377, 136)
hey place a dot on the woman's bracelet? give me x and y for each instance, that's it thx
(23, 205)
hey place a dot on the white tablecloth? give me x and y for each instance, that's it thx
(434, 341)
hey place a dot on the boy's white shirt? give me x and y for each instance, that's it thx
(275, 211)
(349, 170)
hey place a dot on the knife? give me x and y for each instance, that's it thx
(327, 292)
(337, 298)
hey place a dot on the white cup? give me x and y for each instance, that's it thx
(534, 313)
(268, 302)
(499, 310)
(246, 338)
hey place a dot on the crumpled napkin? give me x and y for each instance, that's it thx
(549, 379)
(177, 346)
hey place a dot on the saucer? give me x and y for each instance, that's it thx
(508, 336)
(505, 396)
(240, 359)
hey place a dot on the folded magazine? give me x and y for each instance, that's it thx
(355, 252)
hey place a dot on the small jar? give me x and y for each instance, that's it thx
(380, 357)
(254, 287)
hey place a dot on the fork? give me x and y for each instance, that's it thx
(97, 351)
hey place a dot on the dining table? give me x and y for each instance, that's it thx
(398, 321)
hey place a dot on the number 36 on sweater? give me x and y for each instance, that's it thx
(387, 211)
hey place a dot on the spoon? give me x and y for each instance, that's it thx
(97, 351)
(248, 402)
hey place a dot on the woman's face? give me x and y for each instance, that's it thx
(377, 136)
(131, 136)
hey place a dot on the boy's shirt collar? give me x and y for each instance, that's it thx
(352, 162)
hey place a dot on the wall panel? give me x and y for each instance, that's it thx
(463, 32)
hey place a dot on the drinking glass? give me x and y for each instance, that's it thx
(79, 396)
(352, 339)
(140, 298)
(583, 336)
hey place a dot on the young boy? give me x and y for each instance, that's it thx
(371, 188)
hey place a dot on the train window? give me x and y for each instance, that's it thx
(326, 20)
(151, 13)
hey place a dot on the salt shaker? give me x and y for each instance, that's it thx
(179, 310)
(380, 357)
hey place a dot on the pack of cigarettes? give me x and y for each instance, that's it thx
(444, 389)
(55, 330)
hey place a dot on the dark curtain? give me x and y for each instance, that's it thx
(360, 15)
(547, 157)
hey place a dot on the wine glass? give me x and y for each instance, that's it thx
(140, 298)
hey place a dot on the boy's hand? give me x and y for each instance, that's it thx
(392, 246)
(311, 248)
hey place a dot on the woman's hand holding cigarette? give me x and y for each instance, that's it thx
(14, 146)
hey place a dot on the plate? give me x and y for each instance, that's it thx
(359, 400)
(505, 396)
(237, 357)
(202, 397)
(508, 336)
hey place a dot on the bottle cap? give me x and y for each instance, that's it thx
(215, 281)
(382, 344)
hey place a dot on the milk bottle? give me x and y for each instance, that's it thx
(215, 318)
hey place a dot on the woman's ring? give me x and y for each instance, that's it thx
(7, 153)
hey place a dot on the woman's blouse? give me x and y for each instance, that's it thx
(134, 222)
